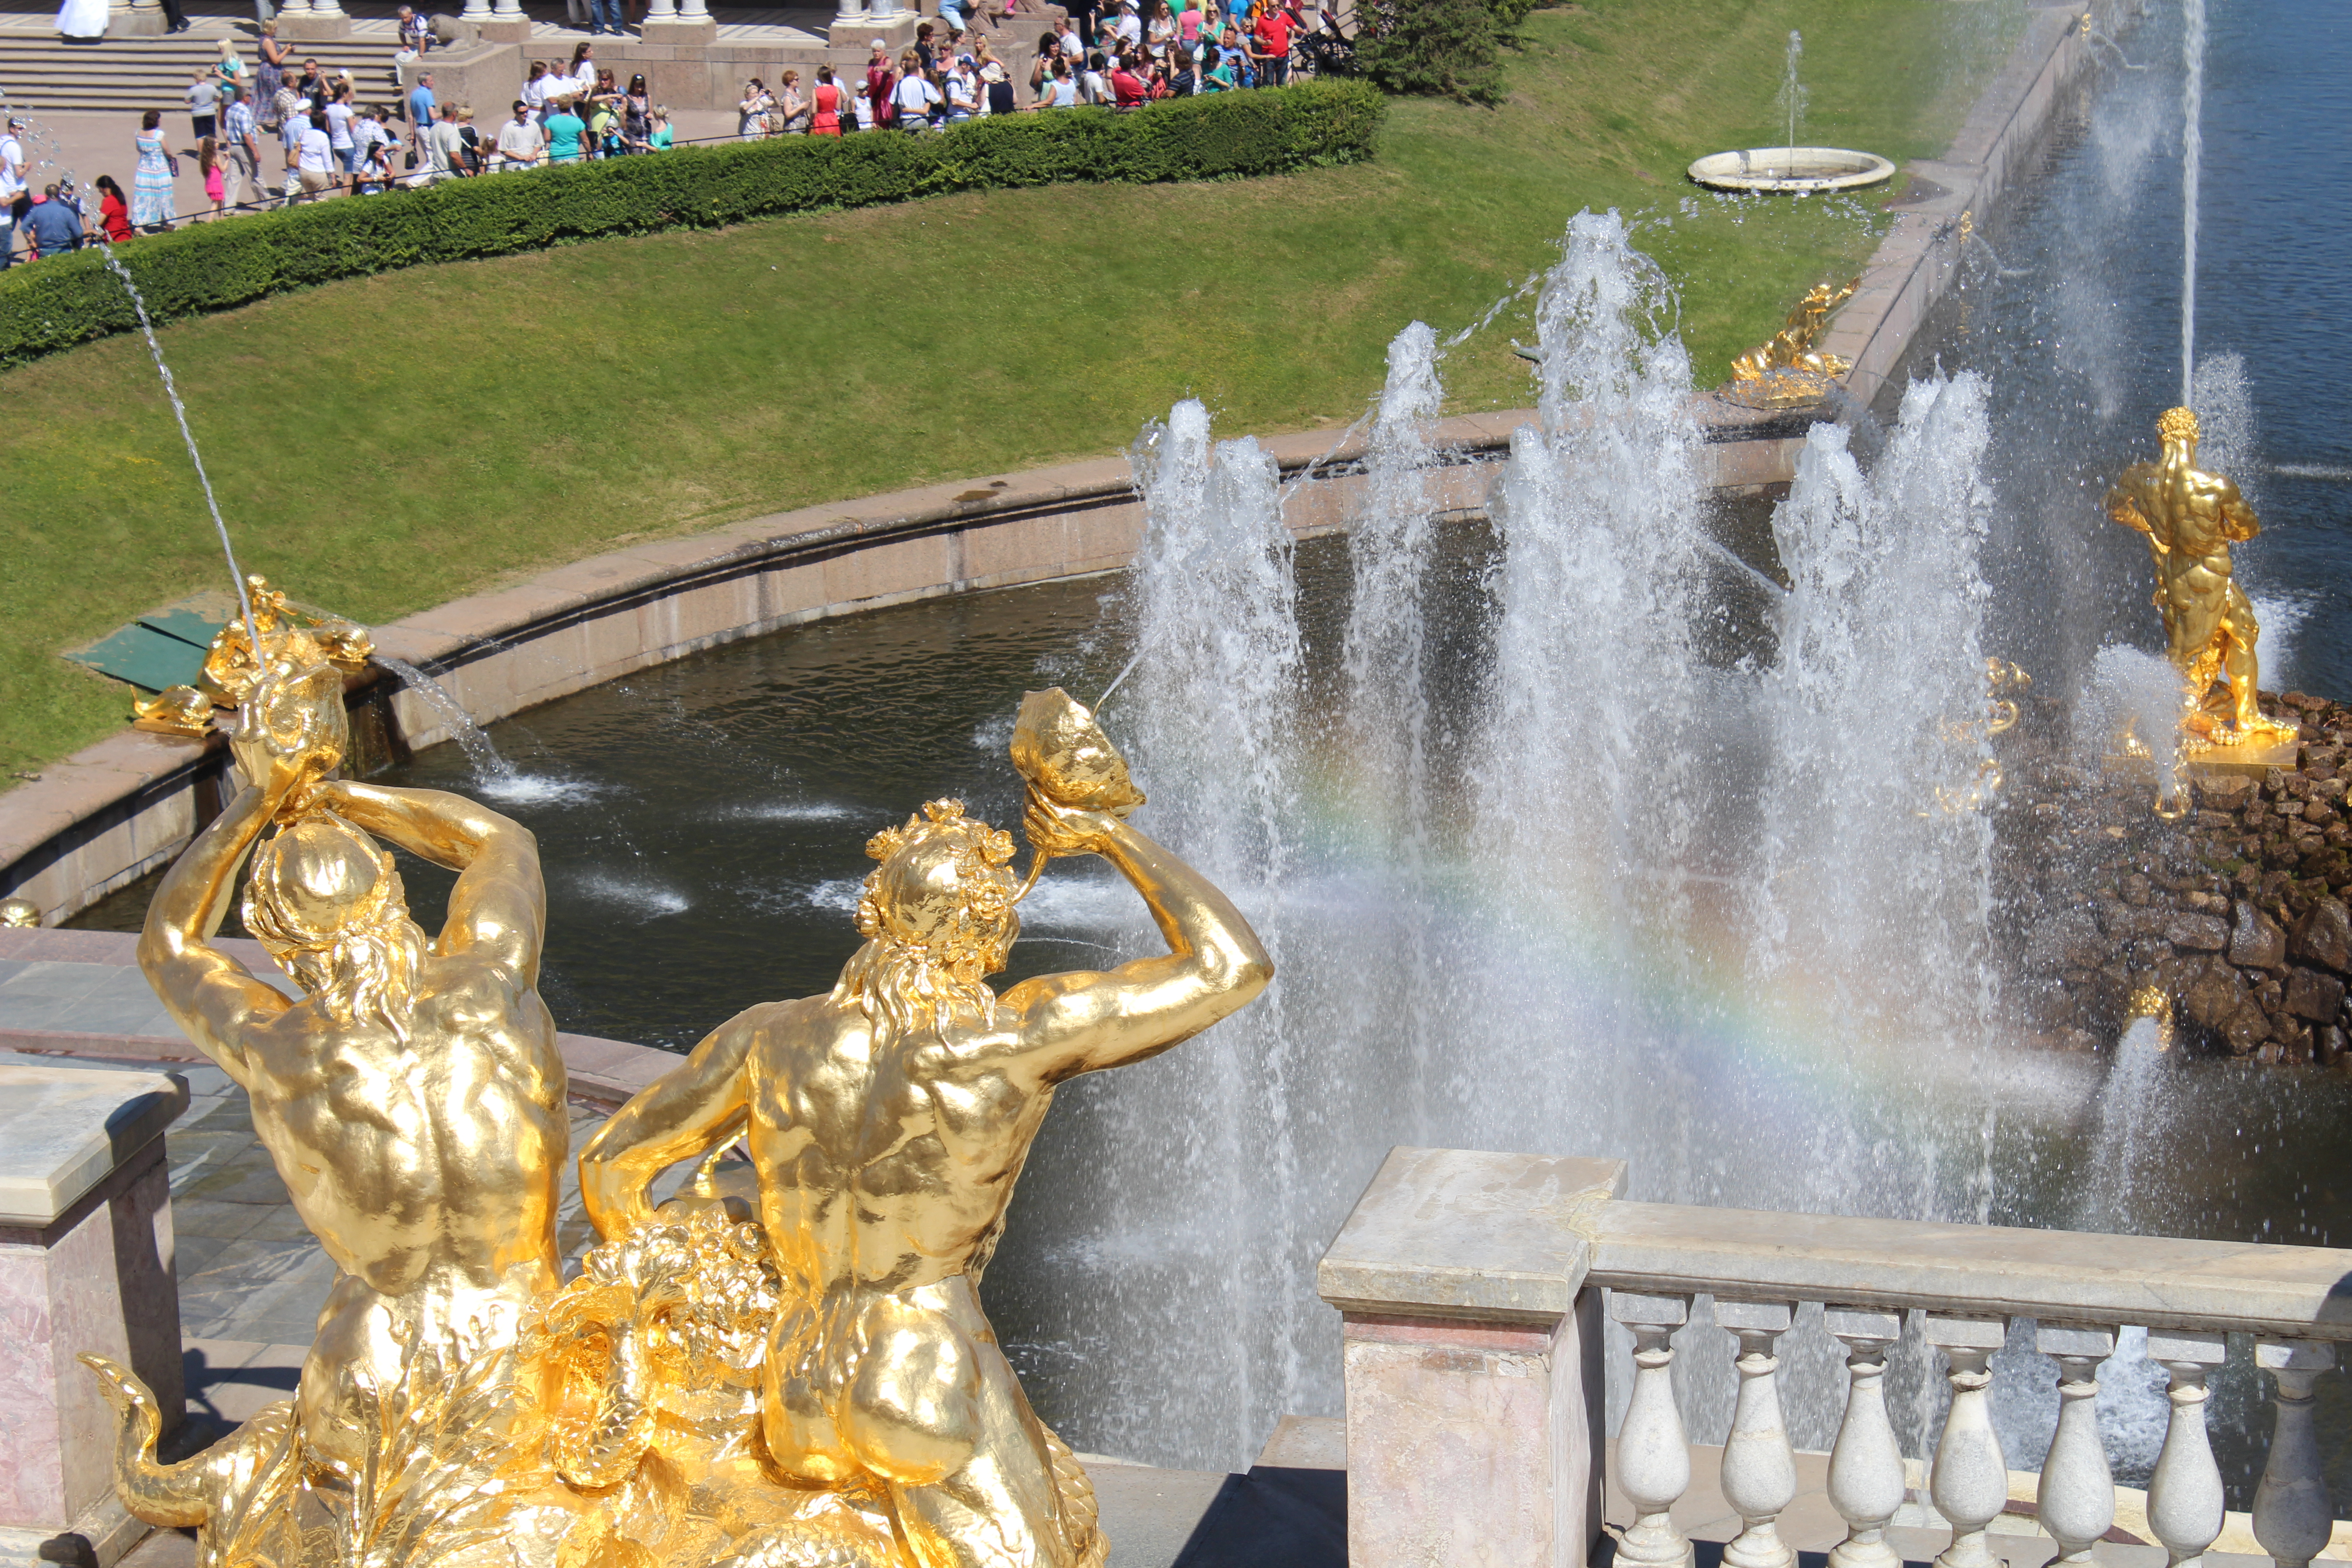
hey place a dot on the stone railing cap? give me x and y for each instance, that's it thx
(62, 1130)
(1456, 1234)
(1977, 1271)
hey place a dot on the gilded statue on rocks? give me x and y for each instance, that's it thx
(2190, 518)
(785, 1366)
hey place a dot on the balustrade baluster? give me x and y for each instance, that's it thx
(1759, 1467)
(2293, 1518)
(1969, 1481)
(2184, 1495)
(1653, 1453)
(2076, 1500)
(1865, 1482)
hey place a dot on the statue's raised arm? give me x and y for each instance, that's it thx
(1077, 1023)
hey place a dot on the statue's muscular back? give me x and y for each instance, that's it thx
(886, 1165)
(383, 1142)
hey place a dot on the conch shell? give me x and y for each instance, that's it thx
(1066, 758)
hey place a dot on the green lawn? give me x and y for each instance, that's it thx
(385, 444)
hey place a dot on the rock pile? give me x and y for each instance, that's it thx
(2237, 912)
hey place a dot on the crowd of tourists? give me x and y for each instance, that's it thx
(1145, 50)
(280, 132)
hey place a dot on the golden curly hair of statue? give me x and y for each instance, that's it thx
(2177, 424)
(937, 919)
(350, 947)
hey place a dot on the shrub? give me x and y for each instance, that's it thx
(217, 265)
(1441, 48)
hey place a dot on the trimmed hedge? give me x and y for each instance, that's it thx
(217, 265)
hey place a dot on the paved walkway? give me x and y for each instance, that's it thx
(89, 145)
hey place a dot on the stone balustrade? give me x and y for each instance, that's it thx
(1473, 1289)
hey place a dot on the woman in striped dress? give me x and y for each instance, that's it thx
(151, 193)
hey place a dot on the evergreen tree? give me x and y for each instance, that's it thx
(1437, 48)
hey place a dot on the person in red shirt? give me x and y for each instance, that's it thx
(1129, 89)
(881, 82)
(1271, 39)
(113, 211)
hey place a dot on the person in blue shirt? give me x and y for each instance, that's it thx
(420, 114)
(54, 225)
(564, 130)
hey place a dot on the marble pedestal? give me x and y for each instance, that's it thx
(702, 31)
(312, 27)
(85, 1265)
(897, 32)
(125, 19)
(1471, 1351)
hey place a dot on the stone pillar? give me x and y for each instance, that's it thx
(85, 1266)
(1472, 1354)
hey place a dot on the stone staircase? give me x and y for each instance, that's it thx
(41, 75)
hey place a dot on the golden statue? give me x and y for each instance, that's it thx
(887, 1124)
(20, 913)
(413, 1102)
(230, 668)
(788, 1373)
(2192, 518)
(1790, 368)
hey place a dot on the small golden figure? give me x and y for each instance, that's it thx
(2192, 518)
(887, 1124)
(19, 913)
(1788, 371)
(175, 710)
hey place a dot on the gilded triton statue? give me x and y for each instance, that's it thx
(887, 1124)
(1791, 348)
(2192, 518)
(412, 1101)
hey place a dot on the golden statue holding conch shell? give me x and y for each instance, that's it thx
(787, 1365)
(1787, 371)
(2192, 518)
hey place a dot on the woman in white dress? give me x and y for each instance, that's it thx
(82, 21)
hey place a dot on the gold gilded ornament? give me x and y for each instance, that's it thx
(231, 669)
(20, 913)
(2192, 518)
(175, 710)
(887, 1124)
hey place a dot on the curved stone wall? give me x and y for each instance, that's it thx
(117, 810)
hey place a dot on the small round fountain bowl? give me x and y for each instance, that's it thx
(1797, 169)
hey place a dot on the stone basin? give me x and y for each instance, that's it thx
(1797, 169)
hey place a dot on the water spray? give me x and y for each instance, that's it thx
(2192, 158)
(96, 231)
